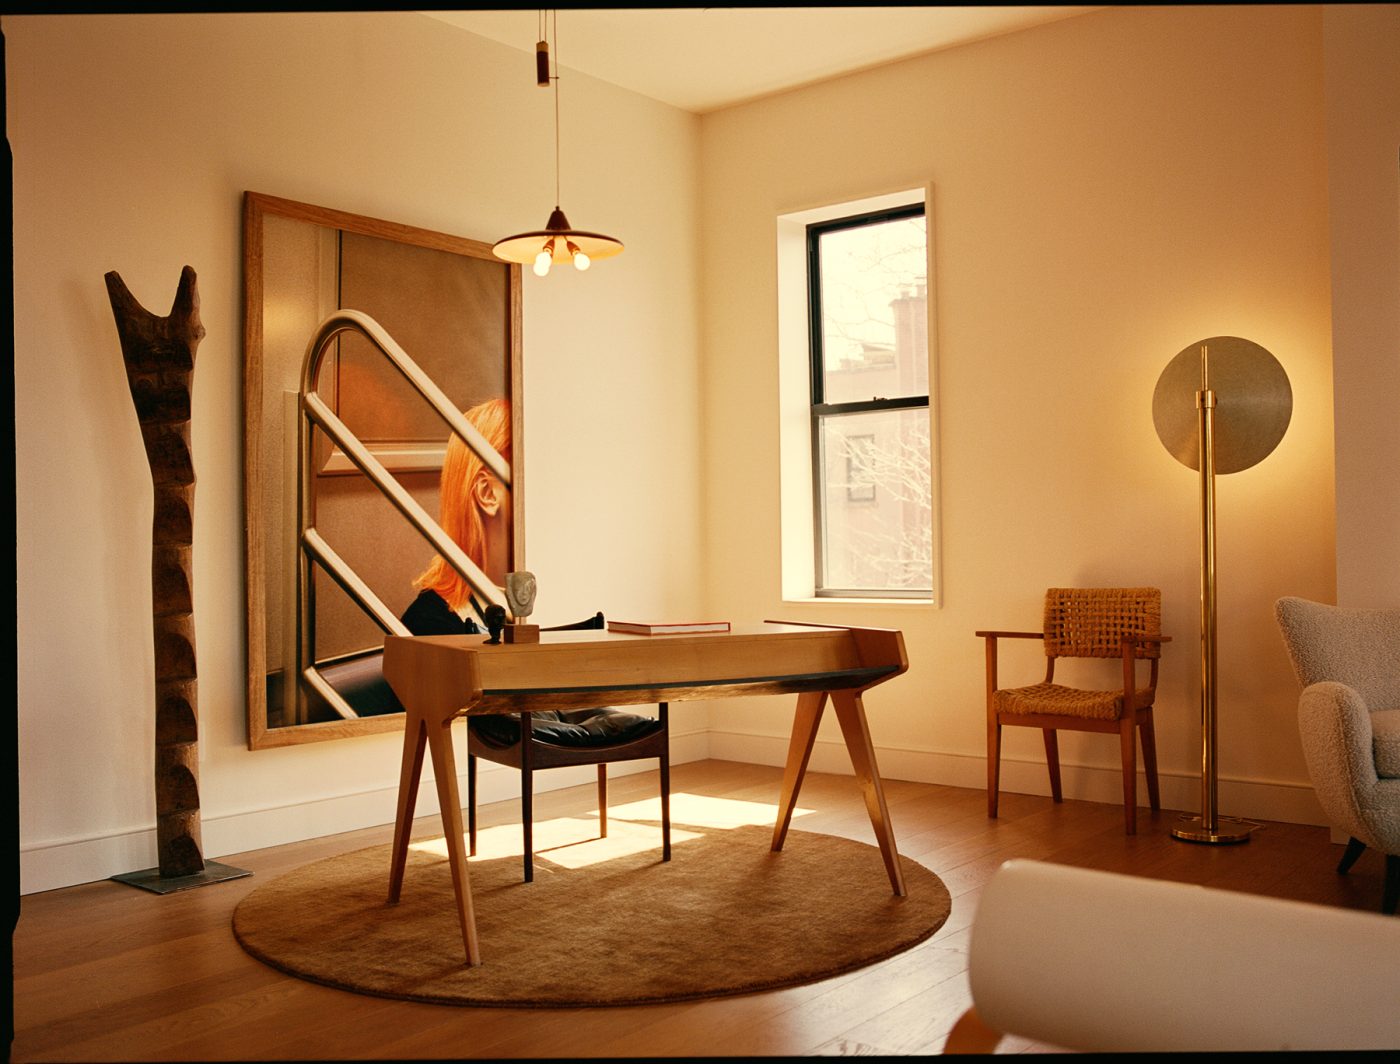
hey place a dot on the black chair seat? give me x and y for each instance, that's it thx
(359, 679)
(576, 728)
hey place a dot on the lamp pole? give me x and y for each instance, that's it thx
(1213, 439)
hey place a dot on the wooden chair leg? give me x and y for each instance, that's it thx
(993, 728)
(602, 800)
(993, 765)
(1149, 762)
(471, 804)
(527, 826)
(527, 809)
(1052, 762)
(665, 768)
(1127, 738)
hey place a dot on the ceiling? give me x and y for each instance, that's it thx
(703, 58)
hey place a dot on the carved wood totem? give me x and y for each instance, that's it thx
(159, 356)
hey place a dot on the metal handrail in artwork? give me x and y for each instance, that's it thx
(314, 548)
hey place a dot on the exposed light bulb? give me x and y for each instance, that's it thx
(543, 259)
(581, 261)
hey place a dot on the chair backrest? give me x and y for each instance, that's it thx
(1090, 622)
(594, 622)
(1357, 647)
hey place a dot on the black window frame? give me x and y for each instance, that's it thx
(821, 410)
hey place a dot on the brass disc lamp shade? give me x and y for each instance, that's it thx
(1253, 403)
(557, 241)
(1220, 406)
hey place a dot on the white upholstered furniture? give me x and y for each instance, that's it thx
(1348, 663)
(1091, 961)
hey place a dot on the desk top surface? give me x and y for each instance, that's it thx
(582, 666)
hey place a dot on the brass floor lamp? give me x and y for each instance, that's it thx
(1221, 405)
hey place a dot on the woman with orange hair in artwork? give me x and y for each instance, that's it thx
(475, 512)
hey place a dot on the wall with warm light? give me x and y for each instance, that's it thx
(1363, 190)
(1107, 190)
(134, 138)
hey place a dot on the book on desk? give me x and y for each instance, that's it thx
(666, 627)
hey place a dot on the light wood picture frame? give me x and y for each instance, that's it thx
(455, 309)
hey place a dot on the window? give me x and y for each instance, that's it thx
(870, 453)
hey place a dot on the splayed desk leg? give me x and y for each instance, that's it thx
(804, 735)
(850, 712)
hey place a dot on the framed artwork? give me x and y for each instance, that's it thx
(455, 310)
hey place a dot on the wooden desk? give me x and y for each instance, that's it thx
(440, 678)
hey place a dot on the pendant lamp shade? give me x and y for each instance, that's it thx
(557, 241)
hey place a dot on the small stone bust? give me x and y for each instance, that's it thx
(520, 594)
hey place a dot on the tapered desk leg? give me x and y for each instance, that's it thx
(445, 769)
(850, 713)
(415, 738)
(804, 735)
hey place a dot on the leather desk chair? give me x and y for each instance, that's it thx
(557, 738)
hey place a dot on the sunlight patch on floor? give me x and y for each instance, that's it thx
(633, 827)
(572, 842)
(624, 839)
(706, 812)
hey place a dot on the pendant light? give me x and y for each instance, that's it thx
(557, 241)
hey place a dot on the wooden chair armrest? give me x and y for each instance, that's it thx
(991, 638)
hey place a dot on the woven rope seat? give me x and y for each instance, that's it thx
(1062, 701)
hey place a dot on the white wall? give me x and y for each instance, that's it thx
(1107, 190)
(134, 138)
(1361, 44)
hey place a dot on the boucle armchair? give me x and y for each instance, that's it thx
(1348, 663)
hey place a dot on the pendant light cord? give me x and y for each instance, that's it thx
(557, 237)
(554, 58)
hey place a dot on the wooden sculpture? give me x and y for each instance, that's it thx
(159, 355)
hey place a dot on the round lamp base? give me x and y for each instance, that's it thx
(1227, 830)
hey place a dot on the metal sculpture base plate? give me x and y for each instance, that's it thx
(151, 879)
(1227, 830)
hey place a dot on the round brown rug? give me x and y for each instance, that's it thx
(725, 915)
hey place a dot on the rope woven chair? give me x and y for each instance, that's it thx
(1123, 623)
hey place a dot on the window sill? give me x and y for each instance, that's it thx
(825, 600)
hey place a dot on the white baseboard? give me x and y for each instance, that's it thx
(1283, 802)
(67, 862)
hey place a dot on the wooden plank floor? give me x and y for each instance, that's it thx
(108, 972)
